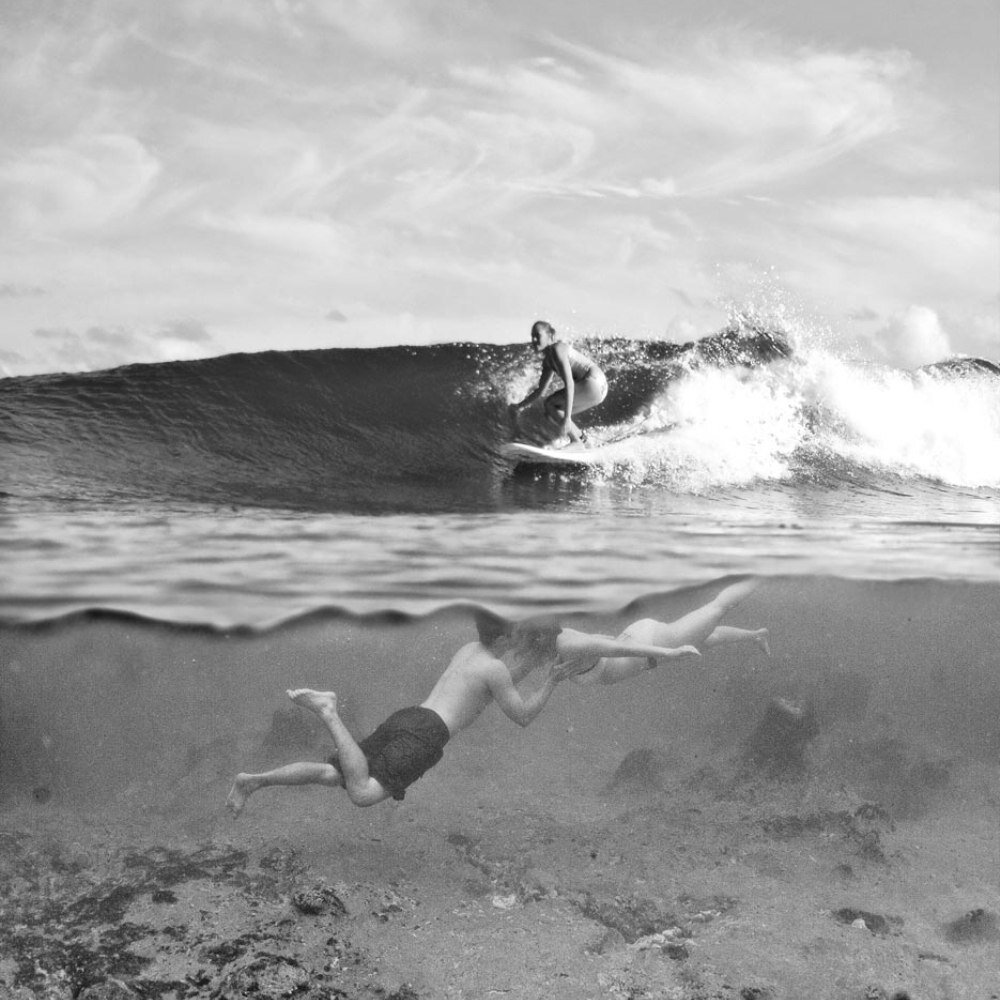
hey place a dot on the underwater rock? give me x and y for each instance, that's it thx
(978, 926)
(903, 779)
(640, 771)
(269, 977)
(756, 993)
(875, 922)
(290, 729)
(110, 990)
(610, 941)
(864, 828)
(316, 899)
(632, 918)
(779, 741)
(218, 753)
(405, 992)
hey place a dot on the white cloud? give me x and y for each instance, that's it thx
(385, 26)
(89, 183)
(737, 112)
(944, 240)
(250, 163)
(913, 338)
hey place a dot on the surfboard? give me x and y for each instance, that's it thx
(572, 455)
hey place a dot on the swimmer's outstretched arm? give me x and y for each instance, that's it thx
(573, 645)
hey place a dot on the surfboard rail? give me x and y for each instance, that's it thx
(572, 455)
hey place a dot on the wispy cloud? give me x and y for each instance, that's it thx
(14, 290)
(87, 184)
(250, 162)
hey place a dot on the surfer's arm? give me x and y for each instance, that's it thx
(543, 384)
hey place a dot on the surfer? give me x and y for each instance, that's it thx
(697, 628)
(412, 740)
(584, 384)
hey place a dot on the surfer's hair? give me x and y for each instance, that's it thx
(542, 326)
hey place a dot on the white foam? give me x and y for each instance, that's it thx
(819, 413)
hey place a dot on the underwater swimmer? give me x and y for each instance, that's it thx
(584, 384)
(412, 740)
(697, 628)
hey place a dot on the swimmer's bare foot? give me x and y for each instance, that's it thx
(684, 651)
(761, 638)
(238, 794)
(672, 653)
(320, 702)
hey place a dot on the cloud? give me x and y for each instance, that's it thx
(99, 347)
(83, 185)
(863, 314)
(945, 239)
(182, 340)
(385, 26)
(913, 338)
(738, 111)
(11, 363)
(249, 163)
(187, 330)
(19, 291)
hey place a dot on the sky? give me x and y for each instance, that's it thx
(189, 178)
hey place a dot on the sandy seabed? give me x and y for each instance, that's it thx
(685, 874)
(634, 842)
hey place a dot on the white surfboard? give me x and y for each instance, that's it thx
(572, 455)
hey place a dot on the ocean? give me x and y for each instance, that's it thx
(181, 542)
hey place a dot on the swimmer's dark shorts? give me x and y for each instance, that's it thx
(408, 743)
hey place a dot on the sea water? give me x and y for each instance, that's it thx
(181, 542)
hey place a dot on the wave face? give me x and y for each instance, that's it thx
(418, 428)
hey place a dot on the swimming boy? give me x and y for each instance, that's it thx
(412, 740)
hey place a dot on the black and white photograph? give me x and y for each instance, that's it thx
(499, 500)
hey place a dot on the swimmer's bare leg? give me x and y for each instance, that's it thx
(629, 654)
(724, 635)
(301, 773)
(363, 789)
(696, 626)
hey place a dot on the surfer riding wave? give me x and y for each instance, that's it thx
(584, 384)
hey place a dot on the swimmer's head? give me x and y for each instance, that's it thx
(537, 640)
(493, 629)
(533, 642)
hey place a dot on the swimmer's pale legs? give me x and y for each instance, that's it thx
(367, 791)
(698, 627)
